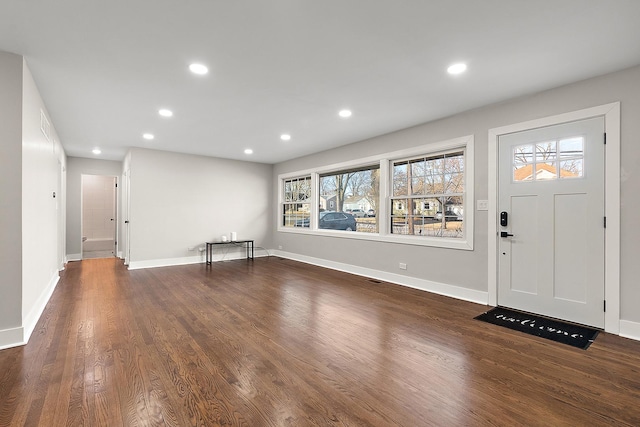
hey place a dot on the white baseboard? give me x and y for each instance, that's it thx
(630, 329)
(458, 292)
(29, 322)
(74, 257)
(13, 337)
(152, 263)
(198, 259)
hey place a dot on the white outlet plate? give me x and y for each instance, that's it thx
(482, 205)
(402, 266)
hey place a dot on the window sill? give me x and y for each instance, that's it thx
(436, 242)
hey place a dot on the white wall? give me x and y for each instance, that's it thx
(10, 198)
(32, 208)
(43, 161)
(76, 167)
(468, 269)
(180, 201)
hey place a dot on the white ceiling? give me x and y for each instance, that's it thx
(104, 68)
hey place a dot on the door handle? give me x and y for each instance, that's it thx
(505, 234)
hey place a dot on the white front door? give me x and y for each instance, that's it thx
(551, 221)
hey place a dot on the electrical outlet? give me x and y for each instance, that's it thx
(402, 266)
(280, 247)
(191, 249)
(482, 205)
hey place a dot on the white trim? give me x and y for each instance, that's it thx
(611, 114)
(164, 262)
(630, 330)
(13, 337)
(612, 212)
(440, 242)
(198, 259)
(479, 297)
(31, 319)
(466, 243)
(116, 194)
(433, 147)
(73, 257)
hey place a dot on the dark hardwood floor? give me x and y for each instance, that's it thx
(273, 342)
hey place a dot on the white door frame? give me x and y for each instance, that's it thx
(126, 210)
(115, 213)
(611, 114)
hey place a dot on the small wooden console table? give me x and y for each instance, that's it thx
(247, 244)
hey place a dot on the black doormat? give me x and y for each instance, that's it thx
(555, 330)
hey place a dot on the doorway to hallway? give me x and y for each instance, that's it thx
(99, 216)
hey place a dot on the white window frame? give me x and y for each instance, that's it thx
(282, 200)
(399, 199)
(465, 144)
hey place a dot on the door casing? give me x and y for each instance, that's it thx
(116, 218)
(611, 114)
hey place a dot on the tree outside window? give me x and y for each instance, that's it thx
(353, 191)
(549, 160)
(428, 196)
(296, 208)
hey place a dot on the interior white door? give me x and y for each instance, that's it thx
(127, 214)
(551, 221)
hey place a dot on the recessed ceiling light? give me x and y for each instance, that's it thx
(345, 113)
(96, 151)
(458, 68)
(165, 113)
(148, 136)
(198, 69)
(285, 137)
(248, 151)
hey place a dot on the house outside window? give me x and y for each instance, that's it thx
(296, 206)
(355, 192)
(428, 196)
(418, 196)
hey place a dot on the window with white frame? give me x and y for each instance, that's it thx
(296, 202)
(356, 194)
(427, 196)
(412, 196)
(549, 160)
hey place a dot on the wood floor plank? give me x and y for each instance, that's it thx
(274, 342)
